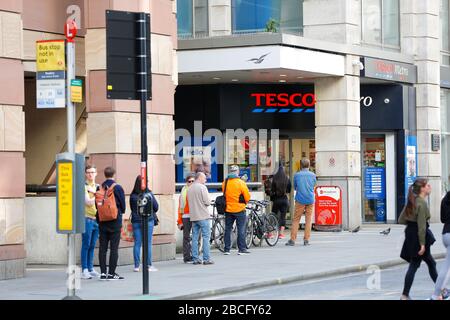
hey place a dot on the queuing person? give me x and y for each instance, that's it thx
(90, 235)
(198, 198)
(418, 236)
(184, 222)
(281, 185)
(136, 221)
(304, 182)
(444, 274)
(237, 196)
(110, 230)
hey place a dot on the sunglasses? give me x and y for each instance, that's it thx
(190, 181)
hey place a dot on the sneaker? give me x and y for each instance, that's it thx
(136, 269)
(197, 262)
(207, 262)
(226, 253)
(445, 294)
(188, 261)
(86, 274)
(114, 276)
(306, 242)
(290, 243)
(244, 252)
(94, 273)
(269, 235)
(152, 269)
(281, 236)
(103, 276)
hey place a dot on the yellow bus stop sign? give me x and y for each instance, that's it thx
(65, 189)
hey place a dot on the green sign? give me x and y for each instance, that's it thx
(76, 82)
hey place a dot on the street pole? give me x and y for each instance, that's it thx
(71, 136)
(143, 77)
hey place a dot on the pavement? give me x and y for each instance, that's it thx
(330, 254)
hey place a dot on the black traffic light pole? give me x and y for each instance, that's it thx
(143, 85)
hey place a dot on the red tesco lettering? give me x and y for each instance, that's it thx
(284, 99)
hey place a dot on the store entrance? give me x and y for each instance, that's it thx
(291, 152)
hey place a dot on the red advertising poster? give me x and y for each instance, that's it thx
(328, 206)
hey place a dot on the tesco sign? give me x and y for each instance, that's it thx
(283, 102)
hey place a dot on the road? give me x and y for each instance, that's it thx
(346, 287)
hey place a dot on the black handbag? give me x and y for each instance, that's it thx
(221, 201)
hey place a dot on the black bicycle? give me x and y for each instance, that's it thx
(261, 225)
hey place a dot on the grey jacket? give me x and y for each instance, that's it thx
(198, 201)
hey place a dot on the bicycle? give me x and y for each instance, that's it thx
(261, 225)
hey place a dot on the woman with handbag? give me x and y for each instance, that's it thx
(418, 236)
(136, 220)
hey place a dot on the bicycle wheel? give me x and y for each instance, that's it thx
(257, 234)
(218, 233)
(249, 232)
(272, 232)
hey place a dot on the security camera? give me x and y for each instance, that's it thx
(359, 64)
(387, 100)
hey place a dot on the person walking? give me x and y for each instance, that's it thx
(418, 237)
(110, 229)
(237, 196)
(198, 198)
(136, 221)
(184, 222)
(281, 185)
(440, 292)
(304, 183)
(90, 236)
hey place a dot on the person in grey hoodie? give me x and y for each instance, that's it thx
(198, 199)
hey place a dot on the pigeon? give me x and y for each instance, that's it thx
(356, 229)
(385, 232)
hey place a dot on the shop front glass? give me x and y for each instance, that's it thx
(374, 178)
(445, 139)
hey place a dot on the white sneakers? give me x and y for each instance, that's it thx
(86, 274)
(150, 269)
(94, 273)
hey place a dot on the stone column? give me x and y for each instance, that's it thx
(12, 142)
(219, 17)
(332, 20)
(338, 139)
(114, 125)
(421, 38)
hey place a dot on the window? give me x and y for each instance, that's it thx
(445, 45)
(192, 18)
(381, 23)
(445, 138)
(250, 16)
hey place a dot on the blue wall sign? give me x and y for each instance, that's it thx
(375, 183)
(410, 161)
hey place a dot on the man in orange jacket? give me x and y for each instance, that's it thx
(237, 196)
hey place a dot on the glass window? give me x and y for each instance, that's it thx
(444, 18)
(184, 18)
(249, 16)
(381, 22)
(192, 18)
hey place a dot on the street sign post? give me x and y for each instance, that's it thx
(128, 76)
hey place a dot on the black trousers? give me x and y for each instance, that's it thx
(414, 265)
(187, 254)
(109, 236)
(281, 206)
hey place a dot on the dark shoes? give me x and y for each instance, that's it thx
(207, 262)
(197, 262)
(290, 243)
(114, 276)
(306, 242)
(189, 261)
(243, 252)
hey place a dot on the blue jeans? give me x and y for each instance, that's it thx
(205, 228)
(137, 230)
(241, 219)
(88, 240)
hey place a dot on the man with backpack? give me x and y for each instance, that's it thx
(110, 202)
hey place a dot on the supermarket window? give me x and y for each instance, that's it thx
(445, 138)
(381, 23)
(192, 18)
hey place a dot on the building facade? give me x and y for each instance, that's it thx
(107, 130)
(375, 67)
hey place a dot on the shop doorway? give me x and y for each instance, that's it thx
(378, 178)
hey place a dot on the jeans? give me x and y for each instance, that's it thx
(241, 219)
(88, 240)
(205, 228)
(109, 235)
(187, 249)
(137, 230)
(444, 273)
(414, 265)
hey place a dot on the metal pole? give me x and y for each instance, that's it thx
(143, 76)
(71, 149)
